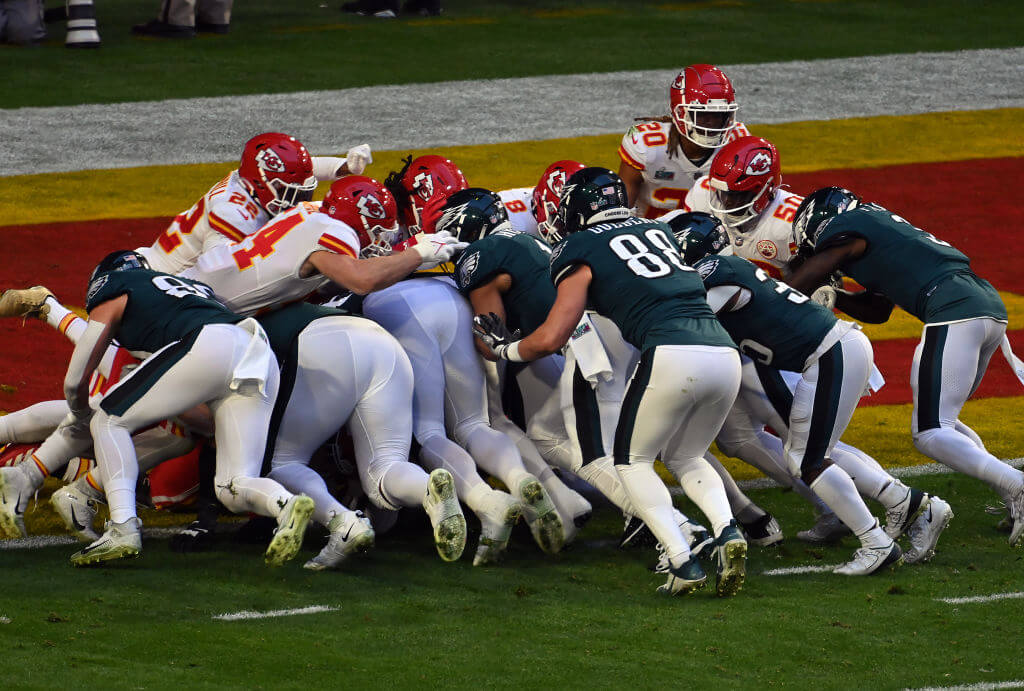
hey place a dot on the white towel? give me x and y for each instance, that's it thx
(589, 351)
(1015, 363)
(255, 362)
(875, 381)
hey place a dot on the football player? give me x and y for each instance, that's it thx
(662, 158)
(630, 270)
(530, 209)
(782, 329)
(964, 320)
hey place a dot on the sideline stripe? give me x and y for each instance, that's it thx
(487, 111)
(793, 570)
(980, 686)
(245, 614)
(980, 598)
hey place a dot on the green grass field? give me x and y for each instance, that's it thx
(292, 46)
(587, 619)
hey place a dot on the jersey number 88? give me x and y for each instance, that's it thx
(641, 258)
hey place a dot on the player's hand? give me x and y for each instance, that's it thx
(825, 296)
(357, 158)
(490, 329)
(435, 248)
(76, 426)
(431, 213)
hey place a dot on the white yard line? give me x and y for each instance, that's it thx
(125, 135)
(43, 541)
(245, 614)
(793, 570)
(974, 599)
(980, 686)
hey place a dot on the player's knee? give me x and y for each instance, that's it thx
(810, 469)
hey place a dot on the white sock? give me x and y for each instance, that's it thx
(840, 494)
(64, 320)
(301, 479)
(870, 482)
(653, 504)
(403, 484)
(257, 495)
(440, 452)
(606, 480)
(739, 503)
(704, 488)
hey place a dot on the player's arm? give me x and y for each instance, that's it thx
(815, 271)
(865, 306)
(727, 298)
(550, 336)
(103, 322)
(487, 299)
(633, 179)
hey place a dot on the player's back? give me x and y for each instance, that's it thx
(641, 283)
(517, 204)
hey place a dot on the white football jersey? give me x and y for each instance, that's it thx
(667, 179)
(517, 203)
(766, 240)
(225, 214)
(262, 271)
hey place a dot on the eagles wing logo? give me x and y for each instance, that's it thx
(269, 160)
(95, 286)
(707, 268)
(467, 268)
(760, 164)
(424, 185)
(370, 206)
(452, 217)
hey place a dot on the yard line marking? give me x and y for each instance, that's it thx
(980, 598)
(791, 570)
(980, 686)
(43, 541)
(246, 614)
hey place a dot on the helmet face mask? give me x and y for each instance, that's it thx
(703, 105)
(816, 210)
(545, 199)
(473, 213)
(278, 171)
(743, 179)
(368, 208)
(419, 181)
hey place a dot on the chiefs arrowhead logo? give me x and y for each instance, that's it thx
(269, 160)
(556, 181)
(424, 185)
(679, 81)
(760, 164)
(370, 206)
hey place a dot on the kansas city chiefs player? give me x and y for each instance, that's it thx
(663, 157)
(531, 209)
(744, 190)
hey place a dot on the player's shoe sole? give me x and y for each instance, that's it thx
(544, 521)
(688, 578)
(732, 568)
(494, 537)
(449, 523)
(287, 538)
(104, 554)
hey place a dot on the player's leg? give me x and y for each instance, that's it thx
(32, 424)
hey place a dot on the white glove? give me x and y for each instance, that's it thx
(825, 296)
(436, 248)
(75, 427)
(357, 158)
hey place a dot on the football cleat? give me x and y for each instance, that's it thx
(15, 489)
(925, 531)
(635, 533)
(1017, 514)
(541, 515)
(291, 527)
(442, 506)
(900, 517)
(78, 511)
(1000, 509)
(763, 532)
(27, 302)
(119, 541)
(702, 545)
(351, 533)
(869, 560)
(496, 522)
(731, 550)
(684, 580)
(826, 531)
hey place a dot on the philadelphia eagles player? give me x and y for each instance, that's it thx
(964, 320)
(781, 329)
(629, 270)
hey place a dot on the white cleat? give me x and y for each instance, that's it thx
(827, 530)
(496, 522)
(869, 560)
(541, 515)
(26, 302)
(15, 489)
(291, 527)
(78, 511)
(351, 533)
(442, 506)
(1016, 507)
(119, 541)
(899, 518)
(925, 531)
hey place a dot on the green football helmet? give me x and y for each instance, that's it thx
(591, 195)
(698, 234)
(816, 210)
(473, 213)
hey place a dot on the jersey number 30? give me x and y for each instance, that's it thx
(642, 259)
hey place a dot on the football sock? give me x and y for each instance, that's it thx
(441, 452)
(959, 452)
(568, 502)
(298, 478)
(403, 484)
(119, 471)
(704, 488)
(653, 504)
(871, 482)
(970, 434)
(603, 476)
(739, 503)
(64, 320)
(840, 494)
(495, 454)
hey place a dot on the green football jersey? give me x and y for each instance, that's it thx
(161, 308)
(284, 325)
(526, 260)
(925, 276)
(779, 326)
(641, 283)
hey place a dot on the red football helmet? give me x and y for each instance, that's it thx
(744, 178)
(278, 170)
(703, 105)
(544, 204)
(421, 179)
(369, 208)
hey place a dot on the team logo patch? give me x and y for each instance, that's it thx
(452, 217)
(707, 268)
(467, 268)
(369, 206)
(767, 249)
(95, 286)
(580, 330)
(664, 174)
(556, 181)
(269, 160)
(424, 185)
(760, 164)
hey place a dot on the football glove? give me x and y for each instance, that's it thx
(435, 248)
(825, 296)
(357, 158)
(490, 329)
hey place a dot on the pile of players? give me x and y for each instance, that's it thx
(540, 336)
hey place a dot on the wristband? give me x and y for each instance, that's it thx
(510, 352)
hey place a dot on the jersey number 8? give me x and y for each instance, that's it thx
(640, 257)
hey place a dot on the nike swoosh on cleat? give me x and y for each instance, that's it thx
(347, 533)
(74, 521)
(90, 548)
